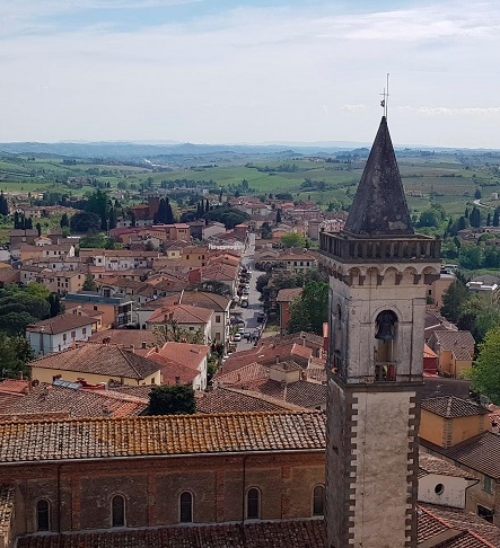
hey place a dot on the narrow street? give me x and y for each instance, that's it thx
(250, 314)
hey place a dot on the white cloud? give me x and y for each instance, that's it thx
(252, 74)
(353, 108)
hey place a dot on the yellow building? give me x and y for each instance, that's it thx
(97, 364)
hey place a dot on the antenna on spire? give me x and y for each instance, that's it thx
(384, 103)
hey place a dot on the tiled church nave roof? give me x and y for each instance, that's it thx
(87, 438)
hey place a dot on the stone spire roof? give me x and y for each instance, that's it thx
(379, 207)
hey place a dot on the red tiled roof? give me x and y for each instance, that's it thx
(126, 337)
(288, 295)
(182, 313)
(77, 403)
(438, 526)
(189, 355)
(227, 400)
(90, 438)
(480, 453)
(451, 407)
(100, 359)
(15, 386)
(430, 464)
(292, 534)
(61, 324)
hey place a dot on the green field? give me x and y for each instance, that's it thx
(446, 178)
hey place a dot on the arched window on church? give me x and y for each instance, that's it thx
(319, 500)
(186, 507)
(118, 511)
(253, 503)
(43, 515)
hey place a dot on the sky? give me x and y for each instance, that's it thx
(250, 71)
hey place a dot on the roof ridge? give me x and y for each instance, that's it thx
(151, 418)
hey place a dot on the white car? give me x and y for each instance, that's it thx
(237, 337)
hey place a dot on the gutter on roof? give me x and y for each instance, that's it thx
(163, 456)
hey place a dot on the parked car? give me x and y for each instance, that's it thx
(237, 337)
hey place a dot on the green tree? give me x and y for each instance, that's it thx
(429, 218)
(477, 194)
(64, 220)
(293, 239)
(278, 216)
(486, 371)
(310, 311)
(172, 400)
(475, 218)
(89, 284)
(496, 217)
(470, 257)
(4, 204)
(453, 300)
(83, 221)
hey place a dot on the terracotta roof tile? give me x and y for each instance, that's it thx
(451, 407)
(182, 313)
(429, 464)
(126, 337)
(288, 295)
(432, 522)
(15, 386)
(481, 453)
(472, 531)
(78, 402)
(90, 438)
(189, 355)
(293, 534)
(100, 359)
(303, 394)
(60, 324)
(450, 340)
(226, 400)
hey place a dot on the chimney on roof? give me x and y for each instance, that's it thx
(277, 359)
(143, 344)
(132, 348)
(20, 375)
(177, 380)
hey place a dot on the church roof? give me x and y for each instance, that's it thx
(379, 207)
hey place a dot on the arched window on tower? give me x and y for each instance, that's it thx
(43, 515)
(186, 507)
(118, 511)
(253, 503)
(319, 500)
(386, 330)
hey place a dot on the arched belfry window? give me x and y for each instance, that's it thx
(43, 515)
(186, 507)
(118, 511)
(385, 335)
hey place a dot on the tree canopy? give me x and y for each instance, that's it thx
(172, 400)
(293, 239)
(486, 371)
(310, 311)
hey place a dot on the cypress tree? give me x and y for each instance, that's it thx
(4, 205)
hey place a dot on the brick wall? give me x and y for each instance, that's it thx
(80, 493)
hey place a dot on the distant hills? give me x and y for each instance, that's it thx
(132, 150)
(155, 149)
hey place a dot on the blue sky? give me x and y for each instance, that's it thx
(227, 71)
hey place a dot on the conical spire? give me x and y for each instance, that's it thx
(379, 207)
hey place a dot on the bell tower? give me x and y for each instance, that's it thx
(379, 270)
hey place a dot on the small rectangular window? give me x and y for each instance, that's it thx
(488, 484)
(217, 319)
